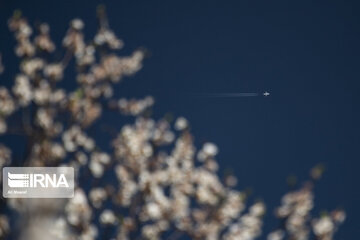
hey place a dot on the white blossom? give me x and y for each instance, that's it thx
(108, 217)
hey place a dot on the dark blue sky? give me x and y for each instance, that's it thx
(306, 53)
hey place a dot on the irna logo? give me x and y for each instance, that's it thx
(38, 182)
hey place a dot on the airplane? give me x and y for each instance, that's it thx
(266, 94)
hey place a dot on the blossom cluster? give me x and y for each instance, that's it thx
(295, 213)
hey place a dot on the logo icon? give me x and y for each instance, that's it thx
(18, 180)
(38, 182)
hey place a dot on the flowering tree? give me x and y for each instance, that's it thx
(153, 184)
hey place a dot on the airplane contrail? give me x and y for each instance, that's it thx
(231, 95)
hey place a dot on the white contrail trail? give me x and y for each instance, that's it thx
(227, 95)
